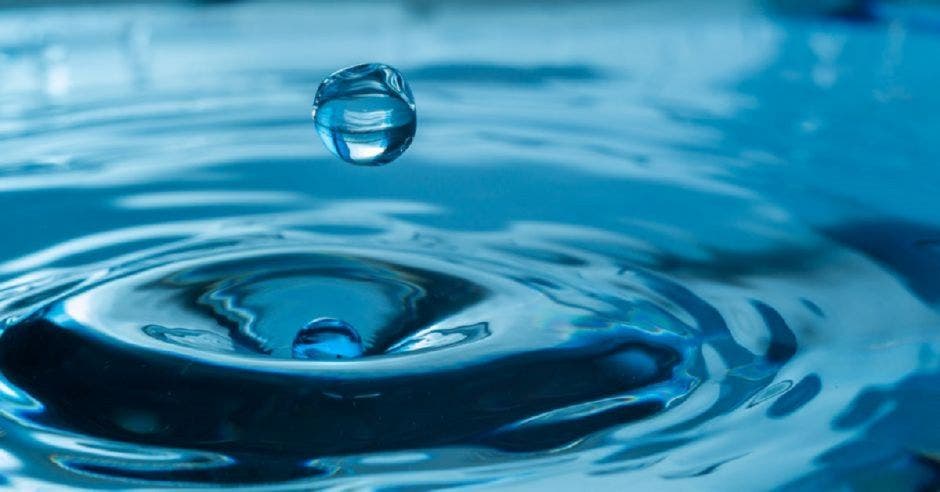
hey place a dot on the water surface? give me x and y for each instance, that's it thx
(649, 244)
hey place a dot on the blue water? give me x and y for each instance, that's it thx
(658, 246)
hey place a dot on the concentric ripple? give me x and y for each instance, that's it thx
(188, 346)
(205, 341)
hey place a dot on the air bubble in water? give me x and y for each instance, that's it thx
(365, 114)
(327, 338)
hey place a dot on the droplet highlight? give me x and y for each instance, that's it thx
(365, 114)
(326, 339)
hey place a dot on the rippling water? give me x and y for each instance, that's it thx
(645, 245)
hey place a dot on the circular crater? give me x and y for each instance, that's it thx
(193, 350)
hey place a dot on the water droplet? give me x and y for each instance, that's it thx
(327, 338)
(365, 114)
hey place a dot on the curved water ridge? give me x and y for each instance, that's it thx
(498, 344)
(215, 332)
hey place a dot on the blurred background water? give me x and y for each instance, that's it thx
(665, 245)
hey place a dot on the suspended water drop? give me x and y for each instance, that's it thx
(365, 114)
(327, 338)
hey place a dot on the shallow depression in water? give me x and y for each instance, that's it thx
(206, 330)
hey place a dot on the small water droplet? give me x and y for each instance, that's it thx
(365, 114)
(327, 338)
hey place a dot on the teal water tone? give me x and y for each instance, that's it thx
(655, 246)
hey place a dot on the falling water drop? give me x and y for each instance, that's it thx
(365, 114)
(327, 338)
